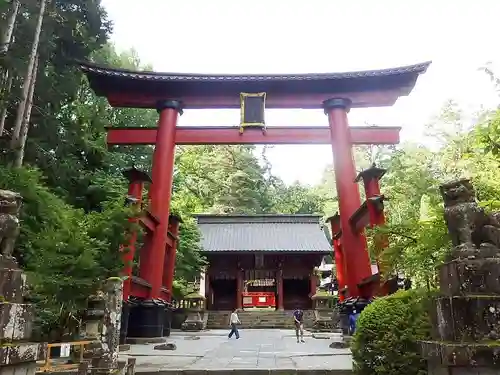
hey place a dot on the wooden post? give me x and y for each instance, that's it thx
(374, 201)
(279, 287)
(136, 179)
(169, 264)
(239, 289)
(339, 266)
(313, 282)
(208, 293)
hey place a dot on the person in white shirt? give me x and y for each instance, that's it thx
(233, 321)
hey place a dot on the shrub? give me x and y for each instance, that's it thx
(387, 333)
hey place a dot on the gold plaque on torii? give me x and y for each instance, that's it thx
(253, 106)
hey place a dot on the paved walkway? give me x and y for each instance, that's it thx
(256, 350)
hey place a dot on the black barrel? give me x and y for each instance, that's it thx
(147, 319)
(167, 324)
(126, 310)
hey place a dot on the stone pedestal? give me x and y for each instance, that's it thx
(17, 354)
(466, 314)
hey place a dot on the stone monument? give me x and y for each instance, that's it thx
(17, 354)
(466, 314)
(102, 324)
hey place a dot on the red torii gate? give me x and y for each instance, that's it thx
(369, 214)
(171, 93)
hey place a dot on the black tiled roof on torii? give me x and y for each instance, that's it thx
(96, 69)
(263, 233)
(127, 88)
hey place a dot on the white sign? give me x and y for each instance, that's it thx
(65, 349)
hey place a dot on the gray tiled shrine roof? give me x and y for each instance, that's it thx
(269, 233)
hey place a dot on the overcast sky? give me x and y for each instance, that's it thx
(200, 36)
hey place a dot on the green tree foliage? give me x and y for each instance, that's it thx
(387, 334)
(415, 228)
(66, 252)
(458, 148)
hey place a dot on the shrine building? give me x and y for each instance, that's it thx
(261, 260)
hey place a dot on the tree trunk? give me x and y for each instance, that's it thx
(19, 151)
(14, 142)
(9, 30)
(8, 78)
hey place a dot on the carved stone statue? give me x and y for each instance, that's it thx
(473, 233)
(10, 205)
(462, 214)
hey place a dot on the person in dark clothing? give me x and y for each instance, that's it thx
(298, 317)
(353, 318)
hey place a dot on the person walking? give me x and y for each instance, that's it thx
(353, 318)
(234, 320)
(298, 316)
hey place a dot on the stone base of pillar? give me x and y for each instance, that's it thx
(147, 319)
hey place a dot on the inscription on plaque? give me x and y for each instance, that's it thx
(261, 282)
(253, 107)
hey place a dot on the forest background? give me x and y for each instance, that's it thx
(52, 137)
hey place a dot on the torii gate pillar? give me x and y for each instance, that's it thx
(160, 192)
(375, 205)
(356, 259)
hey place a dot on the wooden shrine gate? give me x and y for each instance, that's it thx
(170, 94)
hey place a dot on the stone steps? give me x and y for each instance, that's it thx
(258, 319)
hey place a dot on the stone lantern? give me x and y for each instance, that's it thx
(196, 314)
(323, 311)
